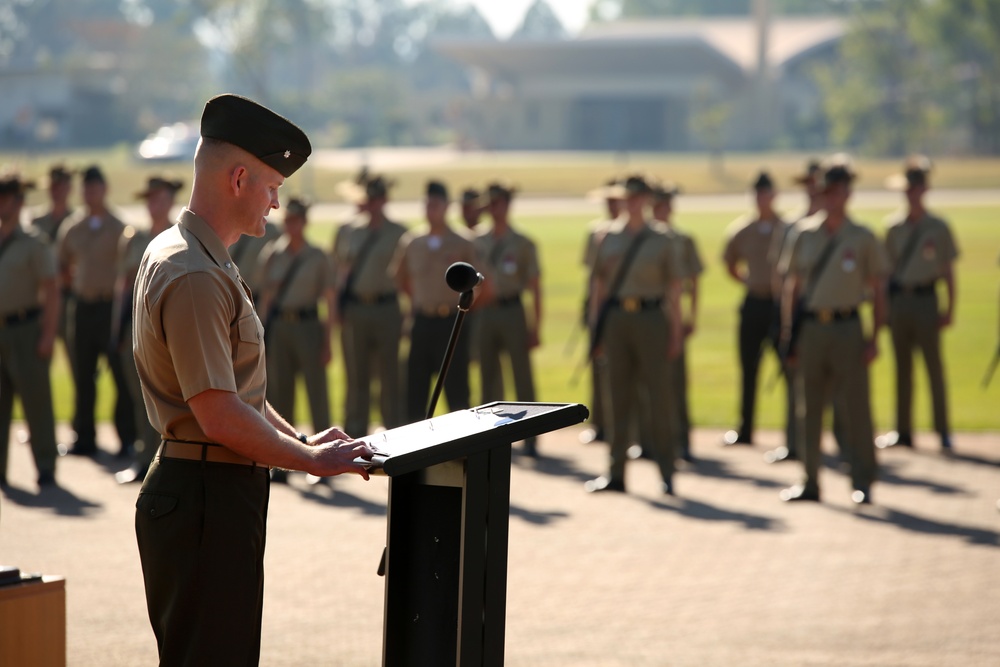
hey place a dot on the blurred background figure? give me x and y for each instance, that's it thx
(472, 207)
(88, 260)
(296, 278)
(922, 253)
(510, 264)
(29, 315)
(159, 196)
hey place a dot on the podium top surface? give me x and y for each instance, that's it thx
(464, 432)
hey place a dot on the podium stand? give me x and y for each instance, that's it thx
(449, 509)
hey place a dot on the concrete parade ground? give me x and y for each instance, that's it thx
(722, 574)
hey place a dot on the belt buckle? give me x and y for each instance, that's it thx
(443, 311)
(631, 304)
(825, 315)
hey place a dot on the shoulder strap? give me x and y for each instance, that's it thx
(359, 261)
(819, 266)
(286, 281)
(907, 255)
(626, 264)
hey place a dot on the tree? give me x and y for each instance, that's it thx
(540, 22)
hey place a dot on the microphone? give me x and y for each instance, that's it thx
(462, 277)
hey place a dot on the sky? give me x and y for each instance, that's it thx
(505, 15)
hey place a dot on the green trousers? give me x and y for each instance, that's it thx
(370, 336)
(503, 332)
(913, 322)
(832, 364)
(294, 349)
(24, 373)
(635, 346)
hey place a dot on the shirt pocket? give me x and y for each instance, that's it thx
(250, 330)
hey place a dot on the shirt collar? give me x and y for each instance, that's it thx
(209, 240)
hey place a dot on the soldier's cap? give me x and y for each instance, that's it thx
(763, 181)
(273, 139)
(58, 173)
(469, 195)
(636, 184)
(499, 190)
(437, 189)
(811, 173)
(665, 190)
(838, 169)
(160, 183)
(613, 188)
(297, 206)
(915, 172)
(93, 174)
(12, 183)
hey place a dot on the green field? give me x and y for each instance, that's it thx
(713, 362)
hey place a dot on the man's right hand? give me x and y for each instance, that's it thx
(334, 453)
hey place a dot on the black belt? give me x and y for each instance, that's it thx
(507, 300)
(923, 290)
(827, 315)
(438, 313)
(298, 314)
(377, 299)
(760, 297)
(634, 304)
(101, 299)
(20, 317)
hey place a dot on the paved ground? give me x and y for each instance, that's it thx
(723, 574)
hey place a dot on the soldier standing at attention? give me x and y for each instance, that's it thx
(368, 307)
(60, 184)
(421, 265)
(637, 286)
(88, 261)
(159, 195)
(295, 277)
(832, 266)
(511, 268)
(746, 256)
(201, 515)
(29, 315)
(472, 207)
(691, 268)
(921, 252)
(612, 195)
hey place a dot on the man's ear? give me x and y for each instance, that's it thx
(238, 179)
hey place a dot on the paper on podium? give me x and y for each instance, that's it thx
(463, 432)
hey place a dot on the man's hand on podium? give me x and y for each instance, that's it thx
(335, 452)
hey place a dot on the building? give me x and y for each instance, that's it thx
(657, 85)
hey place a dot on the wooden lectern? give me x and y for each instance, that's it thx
(449, 508)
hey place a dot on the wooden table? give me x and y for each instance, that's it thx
(33, 623)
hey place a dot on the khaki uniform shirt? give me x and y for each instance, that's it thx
(24, 264)
(131, 247)
(511, 261)
(90, 245)
(931, 256)
(49, 225)
(654, 266)
(594, 234)
(375, 277)
(423, 261)
(195, 328)
(856, 257)
(246, 252)
(313, 275)
(752, 244)
(691, 265)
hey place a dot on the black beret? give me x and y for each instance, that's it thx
(470, 195)
(273, 139)
(93, 174)
(297, 206)
(160, 183)
(437, 189)
(13, 184)
(763, 182)
(636, 184)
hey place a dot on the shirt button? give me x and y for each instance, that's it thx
(229, 265)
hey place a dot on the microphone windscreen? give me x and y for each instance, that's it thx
(462, 277)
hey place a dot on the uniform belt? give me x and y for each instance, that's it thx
(751, 296)
(20, 317)
(436, 312)
(922, 290)
(100, 297)
(507, 300)
(634, 304)
(371, 300)
(298, 314)
(827, 315)
(194, 451)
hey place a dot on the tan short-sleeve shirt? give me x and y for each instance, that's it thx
(195, 328)
(510, 261)
(751, 244)
(374, 275)
(89, 244)
(24, 265)
(312, 278)
(594, 233)
(930, 258)
(131, 248)
(856, 257)
(654, 266)
(49, 224)
(691, 265)
(423, 261)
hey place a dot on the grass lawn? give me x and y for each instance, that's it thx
(713, 362)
